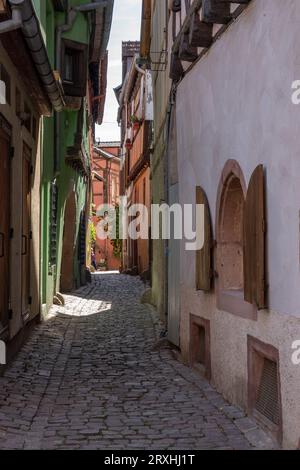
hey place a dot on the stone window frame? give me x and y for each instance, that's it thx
(228, 300)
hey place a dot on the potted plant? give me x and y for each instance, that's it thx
(135, 122)
(128, 144)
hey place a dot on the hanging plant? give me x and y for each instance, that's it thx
(93, 236)
(117, 243)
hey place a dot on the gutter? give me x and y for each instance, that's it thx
(24, 18)
(106, 154)
(107, 27)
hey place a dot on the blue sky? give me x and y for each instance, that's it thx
(125, 27)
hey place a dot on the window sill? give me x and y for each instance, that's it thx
(232, 301)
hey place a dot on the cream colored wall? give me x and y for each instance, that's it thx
(229, 353)
(20, 135)
(236, 104)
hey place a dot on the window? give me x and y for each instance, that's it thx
(241, 269)
(74, 69)
(6, 79)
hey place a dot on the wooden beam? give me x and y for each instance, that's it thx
(186, 24)
(176, 69)
(176, 5)
(214, 11)
(187, 52)
(200, 34)
(146, 29)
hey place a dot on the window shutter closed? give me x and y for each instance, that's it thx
(204, 256)
(254, 241)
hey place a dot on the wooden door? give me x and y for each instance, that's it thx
(255, 285)
(4, 228)
(67, 262)
(26, 231)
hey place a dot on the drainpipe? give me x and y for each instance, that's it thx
(107, 26)
(70, 19)
(14, 23)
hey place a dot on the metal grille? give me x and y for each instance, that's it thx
(53, 224)
(267, 400)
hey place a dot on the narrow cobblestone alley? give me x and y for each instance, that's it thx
(91, 377)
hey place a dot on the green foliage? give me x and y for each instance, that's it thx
(93, 236)
(117, 243)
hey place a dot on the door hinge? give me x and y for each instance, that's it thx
(30, 300)
(31, 169)
(264, 226)
(11, 152)
(30, 235)
(11, 233)
(10, 314)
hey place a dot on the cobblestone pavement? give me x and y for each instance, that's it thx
(92, 377)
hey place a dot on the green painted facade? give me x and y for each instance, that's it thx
(65, 177)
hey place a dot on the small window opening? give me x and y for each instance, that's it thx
(200, 346)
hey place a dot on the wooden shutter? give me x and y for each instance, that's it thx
(254, 240)
(204, 256)
(214, 11)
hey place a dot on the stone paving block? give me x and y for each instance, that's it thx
(92, 377)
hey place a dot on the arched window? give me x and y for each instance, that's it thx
(230, 242)
(231, 199)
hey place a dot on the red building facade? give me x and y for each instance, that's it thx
(106, 191)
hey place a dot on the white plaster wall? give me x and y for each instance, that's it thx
(236, 104)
